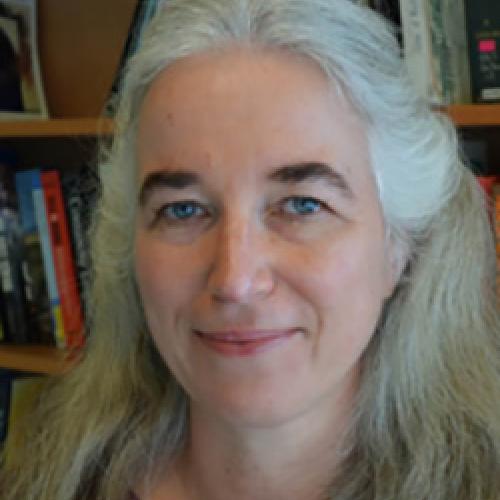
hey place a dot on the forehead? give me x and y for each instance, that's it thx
(247, 109)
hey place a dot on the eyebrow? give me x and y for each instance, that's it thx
(167, 179)
(312, 171)
(290, 174)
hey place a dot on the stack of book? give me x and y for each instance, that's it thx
(451, 47)
(44, 258)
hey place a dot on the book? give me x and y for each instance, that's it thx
(80, 191)
(13, 312)
(488, 182)
(5, 383)
(47, 257)
(36, 292)
(2, 330)
(434, 43)
(483, 32)
(63, 260)
(12, 300)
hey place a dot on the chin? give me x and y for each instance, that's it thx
(260, 407)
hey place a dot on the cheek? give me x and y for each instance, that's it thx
(164, 278)
(165, 282)
(150, 268)
(339, 272)
(345, 283)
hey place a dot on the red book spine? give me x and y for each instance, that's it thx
(71, 308)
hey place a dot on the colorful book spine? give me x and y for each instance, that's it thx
(48, 257)
(37, 301)
(65, 273)
(40, 311)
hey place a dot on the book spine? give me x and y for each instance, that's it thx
(39, 313)
(5, 279)
(5, 385)
(415, 27)
(63, 260)
(13, 306)
(448, 46)
(48, 258)
(483, 33)
(79, 201)
(434, 40)
(2, 320)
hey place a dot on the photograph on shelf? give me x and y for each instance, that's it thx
(21, 89)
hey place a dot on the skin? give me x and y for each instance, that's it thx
(258, 252)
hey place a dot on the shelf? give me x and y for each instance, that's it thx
(37, 359)
(464, 115)
(59, 127)
(474, 115)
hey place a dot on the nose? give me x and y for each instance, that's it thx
(241, 270)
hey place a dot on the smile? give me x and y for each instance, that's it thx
(244, 343)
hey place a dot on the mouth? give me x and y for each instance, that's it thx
(244, 342)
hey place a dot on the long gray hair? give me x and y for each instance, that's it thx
(427, 420)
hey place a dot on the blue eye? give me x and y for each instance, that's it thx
(182, 210)
(301, 205)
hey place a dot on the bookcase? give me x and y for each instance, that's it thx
(80, 44)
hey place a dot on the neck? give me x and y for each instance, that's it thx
(296, 459)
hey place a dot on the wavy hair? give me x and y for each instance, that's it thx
(427, 423)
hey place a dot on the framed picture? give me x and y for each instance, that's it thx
(21, 89)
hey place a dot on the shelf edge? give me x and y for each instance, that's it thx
(58, 127)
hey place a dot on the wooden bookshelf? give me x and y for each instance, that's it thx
(36, 359)
(464, 115)
(58, 127)
(475, 115)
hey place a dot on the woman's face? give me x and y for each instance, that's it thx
(261, 256)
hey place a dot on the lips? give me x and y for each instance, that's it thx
(244, 342)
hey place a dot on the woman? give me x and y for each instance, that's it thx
(293, 291)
